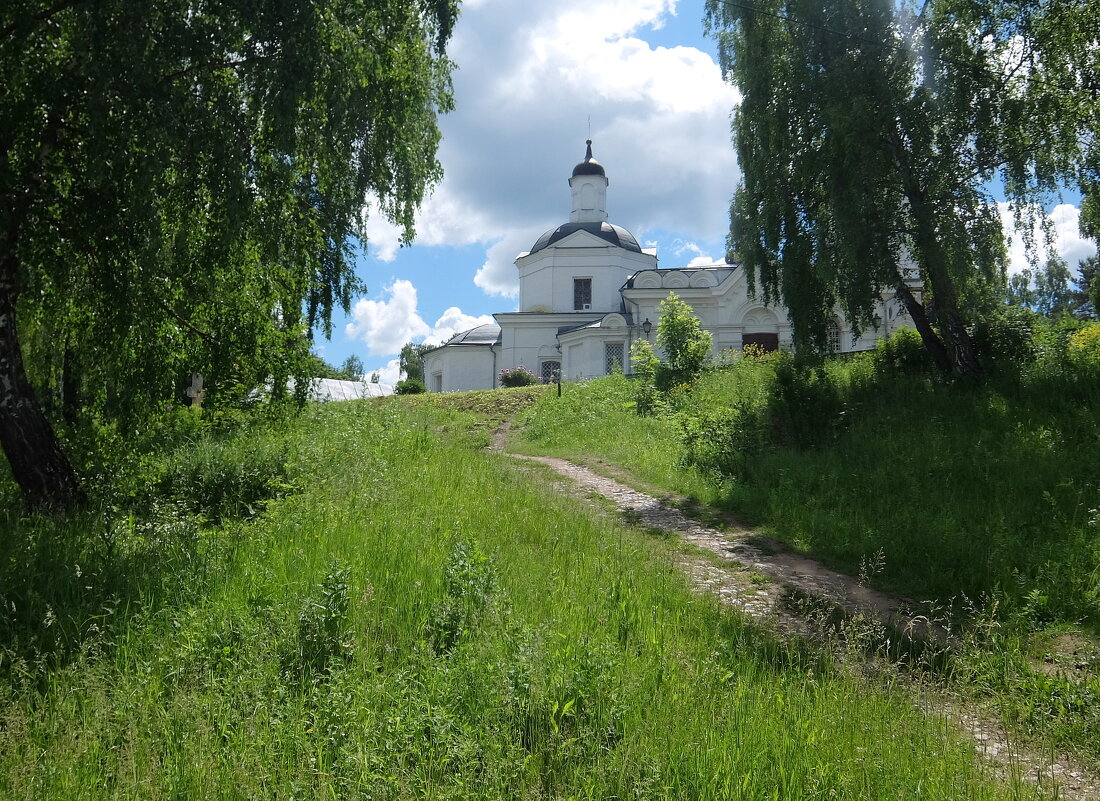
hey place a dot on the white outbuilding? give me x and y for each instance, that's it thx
(588, 290)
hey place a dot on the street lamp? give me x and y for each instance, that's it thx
(647, 326)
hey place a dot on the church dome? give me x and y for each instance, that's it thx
(616, 235)
(589, 166)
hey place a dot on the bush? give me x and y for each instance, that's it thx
(410, 386)
(223, 478)
(903, 352)
(516, 377)
(647, 400)
(1006, 335)
(1083, 349)
(685, 343)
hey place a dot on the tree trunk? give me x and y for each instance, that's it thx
(934, 264)
(944, 296)
(34, 453)
(932, 343)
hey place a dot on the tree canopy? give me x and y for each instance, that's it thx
(869, 134)
(412, 360)
(180, 188)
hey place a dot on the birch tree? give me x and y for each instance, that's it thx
(871, 132)
(180, 183)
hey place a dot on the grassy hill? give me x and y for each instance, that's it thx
(363, 603)
(982, 500)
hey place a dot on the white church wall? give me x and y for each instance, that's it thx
(525, 345)
(458, 369)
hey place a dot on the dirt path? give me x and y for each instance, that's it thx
(758, 577)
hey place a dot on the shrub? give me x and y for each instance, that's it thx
(647, 399)
(226, 478)
(1083, 349)
(409, 386)
(685, 343)
(1007, 334)
(516, 377)
(470, 582)
(903, 352)
(324, 638)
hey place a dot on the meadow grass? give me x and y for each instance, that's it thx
(945, 491)
(981, 499)
(407, 616)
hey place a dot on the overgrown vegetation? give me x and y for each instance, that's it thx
(980, 498)
(405, 616)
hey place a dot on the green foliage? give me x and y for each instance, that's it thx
(287, 655)
(516, 377)
(324, 639)
(182, 187)
(225, 478)
(1083, 349)
(1007, 335)
(901, 353)
(352, 369)
(412, 360)
(659, 385)
(317, 367)
(409, 386)
(1046, 291)
(685, 344)
(469, 584)
(868, 133)
(645, 365)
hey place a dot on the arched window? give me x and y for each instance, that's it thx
(832, 336)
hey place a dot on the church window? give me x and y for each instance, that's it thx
(614, 354)
(550, 372)
(582, 294)
(832, 336)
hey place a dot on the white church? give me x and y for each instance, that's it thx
(587, 291)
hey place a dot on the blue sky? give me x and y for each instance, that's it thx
(532, 76)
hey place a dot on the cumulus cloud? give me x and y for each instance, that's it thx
(498, 275)
(1064, 237)
(386, 325)
(659, 121)
(451, 322)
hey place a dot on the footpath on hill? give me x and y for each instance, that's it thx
(797, 596)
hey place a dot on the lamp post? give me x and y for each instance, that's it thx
(647, 326)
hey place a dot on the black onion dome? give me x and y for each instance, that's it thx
(589, 166)
(619, 237)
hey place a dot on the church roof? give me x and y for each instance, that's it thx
(616, 235)
(488, 334)
(721, 271)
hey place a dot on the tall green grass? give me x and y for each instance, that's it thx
(408, 617)
(980, 491)
(979, 498)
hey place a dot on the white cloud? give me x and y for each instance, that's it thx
(530, 77)
(451, 322)
(498, 275)
(390, 373)
(383, 237)
(703, 261)
(386, 325)
(1064, 232)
